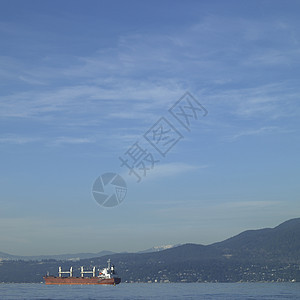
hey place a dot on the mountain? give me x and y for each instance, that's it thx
(270, 254)
(158, 248)
(281, 243)
(77, 256)
(72, 257)
(255, 255)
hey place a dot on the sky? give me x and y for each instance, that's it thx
(82, 82)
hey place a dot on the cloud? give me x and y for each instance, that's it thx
(130, 99)
(141, 75)
(255, 132)
(58, 141)
(31, 81)
(161, 170)
(173, 169)
(270, 102)
(20, 140)
(72, 140)
(250, 204)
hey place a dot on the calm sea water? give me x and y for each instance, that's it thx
(132, 291)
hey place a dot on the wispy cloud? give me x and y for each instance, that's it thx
(20, 140)
(71, 140)
(256, 132)
(130, 100)
(250, 204)
(142, 75)
(32, 81)
(173, 169)
(49, 141)
(162, 170)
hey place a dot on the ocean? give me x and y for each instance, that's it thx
(132, 291)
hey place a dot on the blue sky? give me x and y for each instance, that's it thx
(81, 81)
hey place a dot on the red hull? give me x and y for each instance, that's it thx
(80, 280)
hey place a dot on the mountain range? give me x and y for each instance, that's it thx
(270, 254)
(72, 257)
(76, 256)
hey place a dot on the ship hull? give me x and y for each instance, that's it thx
(80, 280)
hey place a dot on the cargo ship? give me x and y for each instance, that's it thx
(106, 276)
